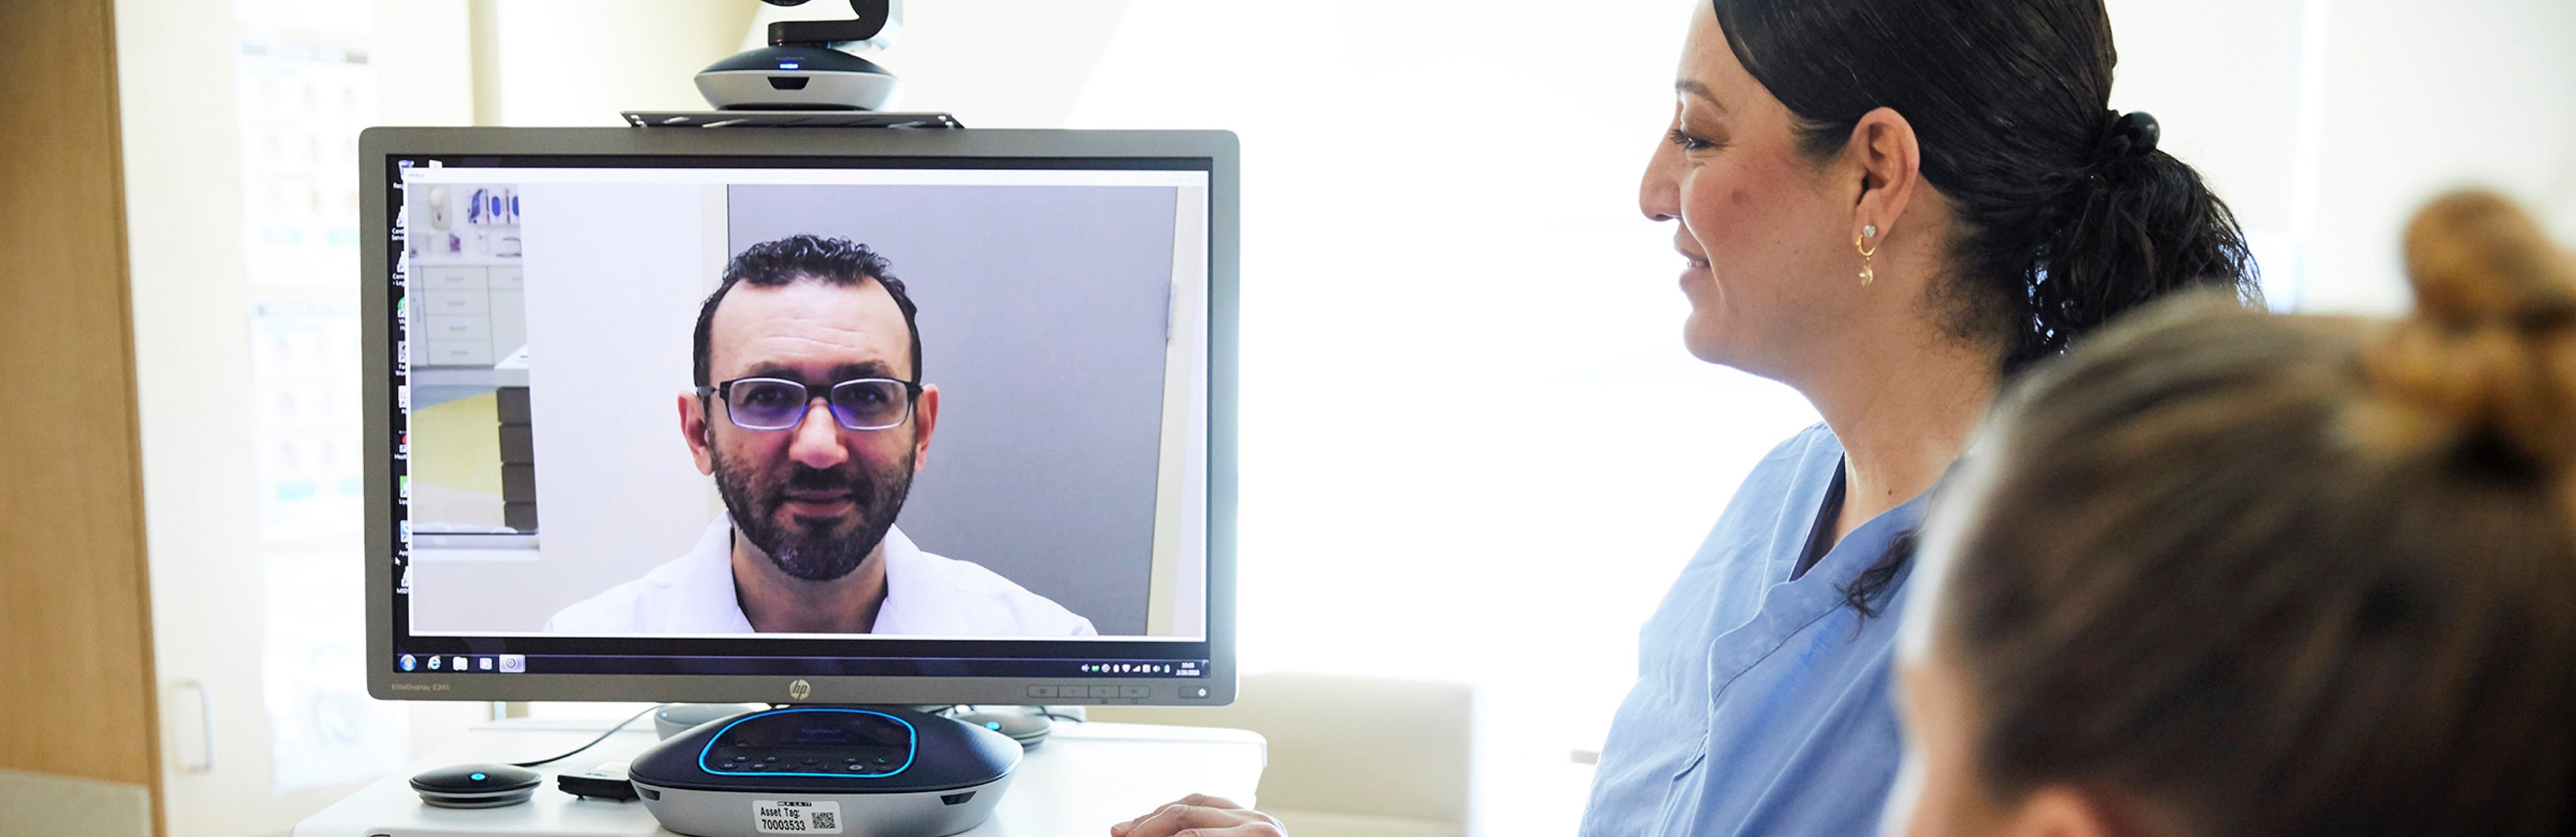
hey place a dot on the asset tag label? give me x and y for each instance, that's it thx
(792, 816)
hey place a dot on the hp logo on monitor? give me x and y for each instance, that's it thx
(798, 689)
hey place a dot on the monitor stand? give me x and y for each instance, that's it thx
(671, 719)
(789, 119)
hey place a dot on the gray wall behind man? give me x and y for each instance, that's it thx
(1042, 323)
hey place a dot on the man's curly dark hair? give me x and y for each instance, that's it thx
(803, 257)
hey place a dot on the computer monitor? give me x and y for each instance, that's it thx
(800, 415)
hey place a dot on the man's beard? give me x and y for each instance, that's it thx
(814, 548)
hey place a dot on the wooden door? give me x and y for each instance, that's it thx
(79, 753)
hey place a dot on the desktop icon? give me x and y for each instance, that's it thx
(433, 663)
(513, 664)
(408, 663)
(482, 664)
(458, 662)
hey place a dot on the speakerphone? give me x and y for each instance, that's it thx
(814, 769)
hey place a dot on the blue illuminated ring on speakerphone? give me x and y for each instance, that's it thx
(911, 746)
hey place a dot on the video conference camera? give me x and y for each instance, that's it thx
(807, 64)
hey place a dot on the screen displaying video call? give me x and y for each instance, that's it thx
(694, 414)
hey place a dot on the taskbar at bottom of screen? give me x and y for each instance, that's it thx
(508, 664)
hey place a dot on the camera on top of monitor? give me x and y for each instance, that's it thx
(808, 66)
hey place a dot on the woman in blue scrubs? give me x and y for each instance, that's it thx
(1892, 206)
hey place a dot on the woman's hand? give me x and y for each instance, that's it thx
(1198, 815)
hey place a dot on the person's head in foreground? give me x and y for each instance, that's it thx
(809, 411)
(2229, 573)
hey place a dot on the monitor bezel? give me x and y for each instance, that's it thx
(377, 149)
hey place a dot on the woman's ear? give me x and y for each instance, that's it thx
(1887, 162)
(2067, 811)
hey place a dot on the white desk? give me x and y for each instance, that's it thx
(1080, 780)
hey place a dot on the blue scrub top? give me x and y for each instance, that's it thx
(1762, 705)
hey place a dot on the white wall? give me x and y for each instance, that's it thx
(2222, 78)
(2421, 97)
(993, 63)
(1439, 218)
(193, 372)
(2405, 99)
(581, 62)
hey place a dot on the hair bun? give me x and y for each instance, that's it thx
(2476, 259)
(2490, 353)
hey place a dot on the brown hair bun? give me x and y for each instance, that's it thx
(2488, 361)
(2251, 574)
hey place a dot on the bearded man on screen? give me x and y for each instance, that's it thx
(810, 414)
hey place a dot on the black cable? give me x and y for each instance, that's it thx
(593, 742)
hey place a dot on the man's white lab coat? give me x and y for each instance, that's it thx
(926, 595)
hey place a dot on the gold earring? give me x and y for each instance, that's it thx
(1867, 233)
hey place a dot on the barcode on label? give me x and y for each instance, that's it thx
(790, 816)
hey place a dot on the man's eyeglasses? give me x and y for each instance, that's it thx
(780, 404)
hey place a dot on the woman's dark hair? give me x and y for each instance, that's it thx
(2067, 215)
(2288, 575)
